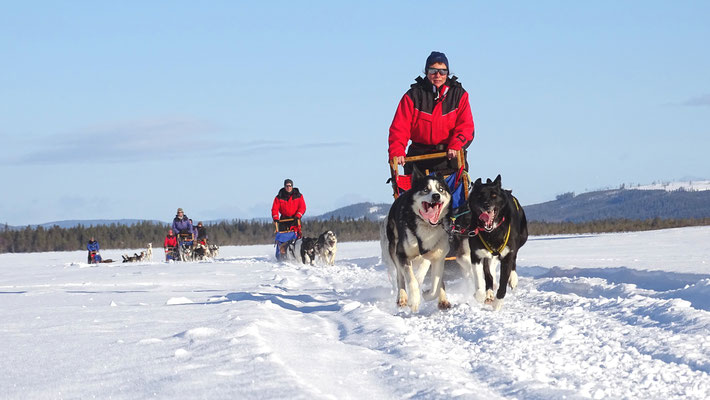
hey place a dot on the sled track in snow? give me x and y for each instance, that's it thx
(556, 337)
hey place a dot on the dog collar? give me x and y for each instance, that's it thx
(471, 233)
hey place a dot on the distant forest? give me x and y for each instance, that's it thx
(237, 232)
(138, 235)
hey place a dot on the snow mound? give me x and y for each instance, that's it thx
(178, 300)
(197, 333)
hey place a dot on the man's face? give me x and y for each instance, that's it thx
(288, 187)
(437, 78)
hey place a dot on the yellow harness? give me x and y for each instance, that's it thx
(507, 235)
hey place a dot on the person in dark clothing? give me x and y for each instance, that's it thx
(93, 248)
(289, 203)
(201, 233)
(434, 115)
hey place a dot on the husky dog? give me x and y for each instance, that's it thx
(213, 250)
(327, 246)
(149, 252)
(199, 252)
(500, 229)
(303, 250)
(185, 252)
(134, 258)
(413, 238)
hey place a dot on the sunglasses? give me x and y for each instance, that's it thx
(289, 185)
(440, 71)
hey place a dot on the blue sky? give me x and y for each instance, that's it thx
(132, 109)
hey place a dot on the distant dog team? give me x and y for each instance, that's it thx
(195, 252)
(307, 249)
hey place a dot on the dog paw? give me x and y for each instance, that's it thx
(402, 299)
(489, 297)
(480, 296)
(513, 280)
(497, 304)
(444, 305)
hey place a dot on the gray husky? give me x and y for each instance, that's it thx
(413, 238)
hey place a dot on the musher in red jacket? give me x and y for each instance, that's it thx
(290, 204)
(435, 115)
(169, 244)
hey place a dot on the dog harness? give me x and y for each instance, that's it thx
(505, 243)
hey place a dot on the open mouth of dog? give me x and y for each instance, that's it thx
(431, 212)
(487, 218)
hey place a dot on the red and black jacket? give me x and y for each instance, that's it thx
(290, 205)
(170, 241)
(429, 116)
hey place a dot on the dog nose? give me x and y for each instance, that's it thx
(436, 196)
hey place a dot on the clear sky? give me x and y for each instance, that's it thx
(131, 109)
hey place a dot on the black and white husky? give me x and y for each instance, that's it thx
(326, 247)
(303, 250)
(499, 229)
(413, 238)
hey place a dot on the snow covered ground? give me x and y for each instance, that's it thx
(616, 316)
(691, 186)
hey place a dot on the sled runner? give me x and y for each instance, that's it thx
(287, 230)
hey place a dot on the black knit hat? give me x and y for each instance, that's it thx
(287, 181)
(436, 57)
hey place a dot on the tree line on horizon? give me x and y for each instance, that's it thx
(238, 232)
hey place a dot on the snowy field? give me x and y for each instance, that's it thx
(613, 316)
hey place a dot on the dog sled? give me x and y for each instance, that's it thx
(97, 259)
(185, 242)
(458, 180)
(172, 253)
(286, 231)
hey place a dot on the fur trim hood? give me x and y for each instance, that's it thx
(284, 195)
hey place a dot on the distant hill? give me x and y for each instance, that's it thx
(667, 200)
(636, 204)
(371, 211)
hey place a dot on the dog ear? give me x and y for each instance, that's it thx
(497, 181)
(477, 183)
(488, 181)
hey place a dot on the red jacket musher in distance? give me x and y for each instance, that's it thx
(290, 205)
(170, 241)
(429, 116)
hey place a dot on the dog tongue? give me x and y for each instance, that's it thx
(485, 217)
(431, 212)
